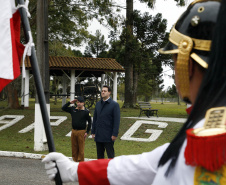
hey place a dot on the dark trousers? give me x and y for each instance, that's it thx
(102, 146)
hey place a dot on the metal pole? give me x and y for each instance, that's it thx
(39, 86)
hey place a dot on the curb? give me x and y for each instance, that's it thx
(21, 155)
(178, 120)
(28, 155)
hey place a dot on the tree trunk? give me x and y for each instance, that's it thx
(43, 46)
(178, 99)
(3, 95)
(135, 83)
(129, 81)
(13, 102)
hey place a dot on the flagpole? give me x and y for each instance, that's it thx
(39, 86)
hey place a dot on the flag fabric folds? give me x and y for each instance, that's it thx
(11, 50)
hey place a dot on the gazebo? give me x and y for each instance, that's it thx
(72, 68)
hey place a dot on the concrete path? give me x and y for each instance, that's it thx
(20, 171)
(178, 120)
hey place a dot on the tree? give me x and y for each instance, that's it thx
(145, 62)
(131, 75)
(121, 91)
(149, 31)
(57, 48)
(12, 96)
(148, 35)
(117, 51)
(97, 46)
(77, 53)
(68, 21)
(129, 78)
(172, 91)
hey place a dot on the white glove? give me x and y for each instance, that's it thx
(67, 168)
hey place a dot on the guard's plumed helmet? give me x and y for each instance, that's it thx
(191, 37)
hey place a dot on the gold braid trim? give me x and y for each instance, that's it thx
(175, 37)
(182, 66)
(199, 60)
(199, 1)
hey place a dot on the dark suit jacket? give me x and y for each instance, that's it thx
(106, 120)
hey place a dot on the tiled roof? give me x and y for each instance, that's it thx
(81, 63)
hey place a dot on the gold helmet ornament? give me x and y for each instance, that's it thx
(191, 37)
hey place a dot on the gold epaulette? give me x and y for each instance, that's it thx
(206, 146)
(215, 122)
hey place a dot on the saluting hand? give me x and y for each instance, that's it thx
(73, 101)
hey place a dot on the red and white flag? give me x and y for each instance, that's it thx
(11, 50)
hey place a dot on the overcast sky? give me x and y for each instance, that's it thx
(167, 8)
(169, 11)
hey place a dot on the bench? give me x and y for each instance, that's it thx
(146, 108)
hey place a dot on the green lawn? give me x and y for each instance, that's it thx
(11, 140)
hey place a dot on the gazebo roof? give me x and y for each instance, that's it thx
(89, 66)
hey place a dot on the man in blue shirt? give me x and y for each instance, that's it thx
(105, 127)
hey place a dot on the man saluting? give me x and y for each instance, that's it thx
(80, 115)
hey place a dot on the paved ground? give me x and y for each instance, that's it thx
(21, 171)
(178, 120)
